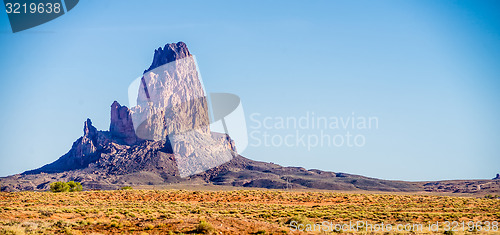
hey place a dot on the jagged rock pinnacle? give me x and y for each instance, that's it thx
(89, 131)
(169, 53)
(121, 125)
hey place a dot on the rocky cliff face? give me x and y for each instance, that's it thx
(171, 98)
(84, 151)
(172, 104)
(121, 125)
(88, 143)
(171, 118)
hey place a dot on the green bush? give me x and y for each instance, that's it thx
(204, 227)
(126, 188)
(59, 187)
(298, 219)
(75, 186)
(65, 187)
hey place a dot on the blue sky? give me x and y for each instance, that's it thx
(428, 70)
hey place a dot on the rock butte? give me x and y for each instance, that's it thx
(122, 156)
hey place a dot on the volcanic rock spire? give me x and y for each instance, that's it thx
(172, 105)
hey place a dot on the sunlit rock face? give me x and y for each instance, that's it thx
(170, 100)
(172, 105)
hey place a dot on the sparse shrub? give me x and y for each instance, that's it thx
(126, 188)
(14, 229)
(298, 220)
(131, 214)
(70, 231)
(167, 216)
(71, 186)
(46, 213)
(204, 227)
(115, 224)
(149, 227)
(75, 186)
(449, 232)
(82, 222)
(57, 187)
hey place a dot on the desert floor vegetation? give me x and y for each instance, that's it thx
(225, 212)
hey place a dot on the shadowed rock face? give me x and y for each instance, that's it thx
(89, 140)
(84, 151)
(121, 125)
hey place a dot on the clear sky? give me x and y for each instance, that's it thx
(428, 70)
